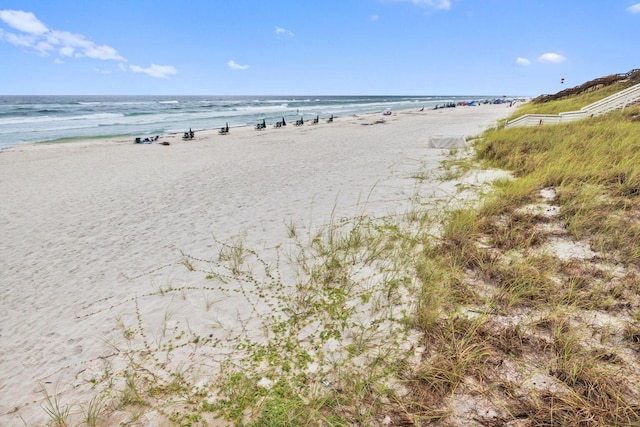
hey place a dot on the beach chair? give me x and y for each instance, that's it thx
(138, 141)
(261, 126)
(316, 120)
(224, 130)
(278, 125)
(189, 135)
(330, 119)
(300, 122)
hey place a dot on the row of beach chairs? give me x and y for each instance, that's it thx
(298, 122)
(260, 126)
(315, 121)
(148, 140)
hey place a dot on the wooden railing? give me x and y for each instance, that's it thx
(616, 101)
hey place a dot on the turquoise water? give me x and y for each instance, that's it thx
(31, 119)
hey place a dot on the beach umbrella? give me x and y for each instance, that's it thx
(283, 123)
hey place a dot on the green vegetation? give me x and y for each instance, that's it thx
(521, 307)
(571, 103)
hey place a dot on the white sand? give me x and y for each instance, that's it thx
(79, 220)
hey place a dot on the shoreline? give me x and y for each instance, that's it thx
(92, 227)
(197, 114)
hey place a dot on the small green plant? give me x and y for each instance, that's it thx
(58, 413)
(93, 411)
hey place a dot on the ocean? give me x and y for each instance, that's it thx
(35, 119)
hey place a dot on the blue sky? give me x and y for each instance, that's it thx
(306, 47)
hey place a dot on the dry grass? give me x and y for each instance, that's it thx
(555, 332)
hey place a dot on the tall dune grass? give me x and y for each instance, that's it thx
(571, 103)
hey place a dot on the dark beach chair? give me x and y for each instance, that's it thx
(330, 119)
(138, 141)
(224, 130)
(189, 135)
(316, 120)
(300, 122)
(261, 126)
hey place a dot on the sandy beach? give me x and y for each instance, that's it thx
(89, 230)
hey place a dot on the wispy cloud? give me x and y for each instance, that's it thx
(634, 9)
(34, 35)
(25, 22)
(437, 4)
(235, 66)
(374, 17)
(283, 31)
(555, 58)
(158, 71)
(522, 61)
(44, 41)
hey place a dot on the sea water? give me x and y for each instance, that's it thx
(33, 119)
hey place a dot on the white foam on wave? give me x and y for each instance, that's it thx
(253, 108)
(44, 119)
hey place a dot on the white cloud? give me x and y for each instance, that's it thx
(280, 30)
(235, 66)
(19, 40)
(158, 71)
(45, 41)
(36, 36)
(522, 61)
(81, 46)
(437, 4)
(634, 9)
(23, 21)
(374, 17)
(103, 52)
(552, 57)
(66, 51)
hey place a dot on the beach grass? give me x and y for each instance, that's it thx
(570, 103)
(518, 307)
